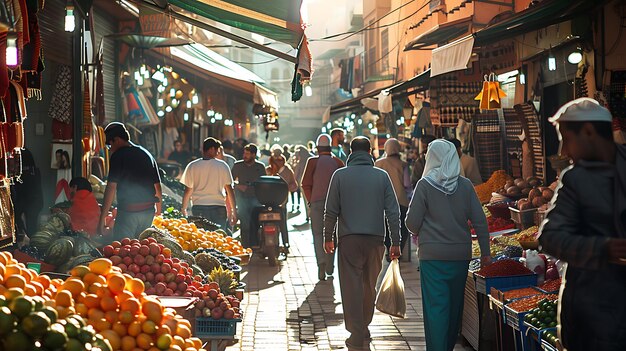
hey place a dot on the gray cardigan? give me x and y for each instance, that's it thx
(360, 197)
(440, 220)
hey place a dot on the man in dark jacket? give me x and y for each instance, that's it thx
(359, 199)
(585, 227)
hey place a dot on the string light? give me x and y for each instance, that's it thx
(70, 22)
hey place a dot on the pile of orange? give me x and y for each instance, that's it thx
(115, 304)
(192, 238)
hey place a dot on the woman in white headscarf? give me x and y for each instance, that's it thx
(442, 205)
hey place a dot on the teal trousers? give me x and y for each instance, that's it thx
(443, 287)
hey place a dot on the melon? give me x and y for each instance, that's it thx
(60, 251)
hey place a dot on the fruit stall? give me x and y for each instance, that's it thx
(191, 273)
(514, 208)
(511, 304)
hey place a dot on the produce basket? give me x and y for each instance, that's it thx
(484, 284)
(244, 259)
(209, 327)
(539, 217)
(526, 217)
(500, 295)
(499, 210)
(529, 245)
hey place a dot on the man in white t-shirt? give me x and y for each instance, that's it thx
(208, 183)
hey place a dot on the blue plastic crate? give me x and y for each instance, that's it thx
(484, 285)
(206, 326)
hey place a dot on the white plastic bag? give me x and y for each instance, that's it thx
(390, 298)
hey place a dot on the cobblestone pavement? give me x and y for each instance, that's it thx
(287, 308)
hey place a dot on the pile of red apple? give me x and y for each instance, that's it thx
(215, 305)
(164, 275)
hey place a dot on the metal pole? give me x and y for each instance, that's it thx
(77, 98)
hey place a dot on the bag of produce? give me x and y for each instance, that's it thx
(390, 298)
(536, 264)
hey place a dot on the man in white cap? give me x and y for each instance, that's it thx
(586, 227)
(315, 182)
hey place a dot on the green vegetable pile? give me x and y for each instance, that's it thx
(544, 316)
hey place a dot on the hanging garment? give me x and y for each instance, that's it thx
(61, 103)
(344, 82)
(4, 71)
(7, 216)
(358, 72)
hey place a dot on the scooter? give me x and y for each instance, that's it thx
(271, 192)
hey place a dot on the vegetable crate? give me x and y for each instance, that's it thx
(484, 284)
(499, 294)
(516, 321)
(536, 338)
(209, 327)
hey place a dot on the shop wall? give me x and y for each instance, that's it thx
(105, 25)
(41, 145)
(614, 36)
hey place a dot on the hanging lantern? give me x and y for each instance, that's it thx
(491, 94)
(407, 112)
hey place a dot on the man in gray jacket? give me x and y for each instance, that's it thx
(359, 199)
(586, 227)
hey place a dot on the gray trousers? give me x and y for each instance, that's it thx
(360, 261)
(317, 227)
(131, 224)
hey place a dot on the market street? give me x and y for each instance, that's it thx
(287, 308)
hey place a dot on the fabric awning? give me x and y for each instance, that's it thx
(209, 60)
(420, 82)
(452, 57)
(354, 103)
(264, 96)
(229, 72)
(439, 34)
(274, 19)
(148, 41)
(456, 55)
(546, 13)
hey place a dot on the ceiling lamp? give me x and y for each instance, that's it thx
(575, 57)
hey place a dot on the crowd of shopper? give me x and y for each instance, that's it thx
(361, 207)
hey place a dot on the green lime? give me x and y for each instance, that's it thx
(51, 313)
(78, 319)
(55, 338)
(21, 306)
(74, 345)
(86, 335)
(17, 341)
(7, 321)
(101, 343)
(36, 324)
(72, 328)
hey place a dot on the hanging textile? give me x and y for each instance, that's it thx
(7, 215)
(357, 80)
(61, 103)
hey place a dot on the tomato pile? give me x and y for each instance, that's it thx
(518, 293)
(529, 303)
(551, 285)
